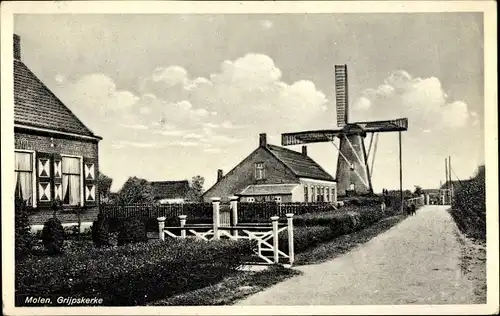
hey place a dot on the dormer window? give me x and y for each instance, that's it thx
(259, 171)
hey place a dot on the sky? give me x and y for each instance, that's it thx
(175, 95)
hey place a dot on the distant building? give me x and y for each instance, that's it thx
(273, 173)
(56, 156)
(166, 192)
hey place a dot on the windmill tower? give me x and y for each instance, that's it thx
(353, 173)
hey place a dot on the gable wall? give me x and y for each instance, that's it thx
(243, 175)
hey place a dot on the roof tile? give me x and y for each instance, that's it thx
(35, 105)
(301, 165)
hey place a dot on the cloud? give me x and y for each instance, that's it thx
(60, 78)
(245, 92)
(266, 24)
(422, 100)
(244, 97)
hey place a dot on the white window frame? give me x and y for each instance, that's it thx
(33, 172)
(306, 193)
(82, 182)
(278, 199)
(250, 199)
(261, 169)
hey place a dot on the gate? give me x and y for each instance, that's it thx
(225, 226)
(225, 214)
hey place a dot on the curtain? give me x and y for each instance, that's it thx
(24, 181)
(23, 161)
(24, 175)
(71, 165)
(71, 180)
(71, 189)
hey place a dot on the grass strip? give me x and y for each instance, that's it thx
(231, 289)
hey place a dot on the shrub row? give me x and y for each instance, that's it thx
(132, 274)
(469, 206)
(313, 229)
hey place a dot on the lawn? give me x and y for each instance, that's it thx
(129, 275)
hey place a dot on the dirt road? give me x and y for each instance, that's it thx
(415, 262)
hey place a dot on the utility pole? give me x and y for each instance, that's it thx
(401, 173)
(446, 183)
(451, 184)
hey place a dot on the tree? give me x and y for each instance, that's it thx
(104, 183)
(136, 191)
(196, 188)
(418, 190)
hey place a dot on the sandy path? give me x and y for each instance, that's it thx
(415, 262)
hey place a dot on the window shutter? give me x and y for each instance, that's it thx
(90, 181)
(57, 176)
(44, 178)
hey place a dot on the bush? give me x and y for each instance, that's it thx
(133, 274)
(53, 236)
(23, 238)
(313, 229)
(469, 206)
(132, 230)
(100, 232)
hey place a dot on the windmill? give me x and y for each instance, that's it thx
(353, 173)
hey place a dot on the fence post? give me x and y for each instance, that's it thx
(183, 223)
(161, 227)
(216, 216)
(291, 255)
(274, 219)
(234, 210)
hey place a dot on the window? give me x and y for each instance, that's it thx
(250, 199)
(71, 180)
(317, 194)
(328, 194)
(24, 176)
(277, 199)
(306, 194)
(351, 187)
(259, 171)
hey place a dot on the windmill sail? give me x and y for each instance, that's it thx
(341, 95)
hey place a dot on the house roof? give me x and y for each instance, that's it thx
(36, 106)
(301, 165)
(170, 189)
(268, 189)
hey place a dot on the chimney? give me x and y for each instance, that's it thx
(262, 140)
(304, 150)
(17, 47)
(220, 174)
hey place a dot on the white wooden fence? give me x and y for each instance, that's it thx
(225, 225)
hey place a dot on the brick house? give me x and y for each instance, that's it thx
(56, 155)
(273, 173)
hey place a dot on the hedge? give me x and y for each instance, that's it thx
(469, 205)
(313, 229)
(133, 274)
